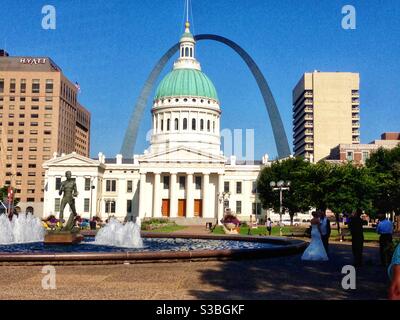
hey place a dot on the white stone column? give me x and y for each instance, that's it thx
(142, 198)
(189, 196)
(173, 196)
(205, 190)
(220, 211)
(157, 196)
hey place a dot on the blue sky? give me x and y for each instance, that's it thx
(110, 47)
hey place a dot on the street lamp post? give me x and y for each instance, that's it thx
(222, 196)
(91, 200)
(281, 186)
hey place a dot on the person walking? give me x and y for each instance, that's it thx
(268, 226)
(385, 230)
(325, 230)
(357, 237)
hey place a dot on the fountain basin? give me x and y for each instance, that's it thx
(157, 248)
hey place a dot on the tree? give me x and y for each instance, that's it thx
(385, 169)
(295, 199)
(348, 188)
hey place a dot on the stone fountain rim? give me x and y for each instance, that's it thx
(287, 246)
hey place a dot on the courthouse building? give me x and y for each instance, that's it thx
(182, 175)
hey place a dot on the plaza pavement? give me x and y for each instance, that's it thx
(270, 278)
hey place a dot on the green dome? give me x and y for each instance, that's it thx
(186, 82)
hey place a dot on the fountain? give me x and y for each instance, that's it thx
(22, 241)
(24, 228)
(121, 235)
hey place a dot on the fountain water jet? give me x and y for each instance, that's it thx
(23, 228)
(120, 235)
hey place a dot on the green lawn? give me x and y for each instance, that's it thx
(168, 229)
(368, 234)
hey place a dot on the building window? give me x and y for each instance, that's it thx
(226, 204)
(87, 184)
(208, 126)
(365, 155)
(12, 85)
(168, 124)
(184, 124)
(129, 206)
(193, 124)
(129, 186)
(201, 124)
(58, 183)
(226, 186)
(349, 155)
(23, 86)
(176, 124)
(166, 182)
(86, 205)
(182, 182)
(256, 208)
(162, 125)
(254, 187)
(111, 185)
(1, 85)
(57, 203)
(238, 207)
(197, 181)
(35, 86)
(239, 187)
(49, 86)
(110, 206)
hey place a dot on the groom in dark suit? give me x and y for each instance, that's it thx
(325, 229)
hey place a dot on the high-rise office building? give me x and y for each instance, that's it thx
(39, 115)
(326, 110)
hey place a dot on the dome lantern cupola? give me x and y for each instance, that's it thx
(187, 58)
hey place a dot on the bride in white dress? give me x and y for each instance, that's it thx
(315, 250)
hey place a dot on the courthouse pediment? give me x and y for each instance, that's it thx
(72, 159)
(182, 155)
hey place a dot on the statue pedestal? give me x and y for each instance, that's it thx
(62, 237)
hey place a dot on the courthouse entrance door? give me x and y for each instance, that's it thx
(165, 208)
(198, 208)
(182, 208)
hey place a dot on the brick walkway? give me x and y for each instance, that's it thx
(274, 278)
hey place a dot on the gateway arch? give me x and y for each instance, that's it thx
(278, 130)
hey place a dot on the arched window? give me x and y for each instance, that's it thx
(193, 124)
(201, 124)
(191, 52)
(176, 124)
(208, 125)
(182, 51)
(162, 125)
(213, 126)
(184, 124)
(168, 124)
(186, 52)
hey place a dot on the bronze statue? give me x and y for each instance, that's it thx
(69, 188)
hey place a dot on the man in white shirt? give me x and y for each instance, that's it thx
(385, 230)
(325, 229)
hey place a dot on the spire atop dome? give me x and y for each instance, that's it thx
(187, 58)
